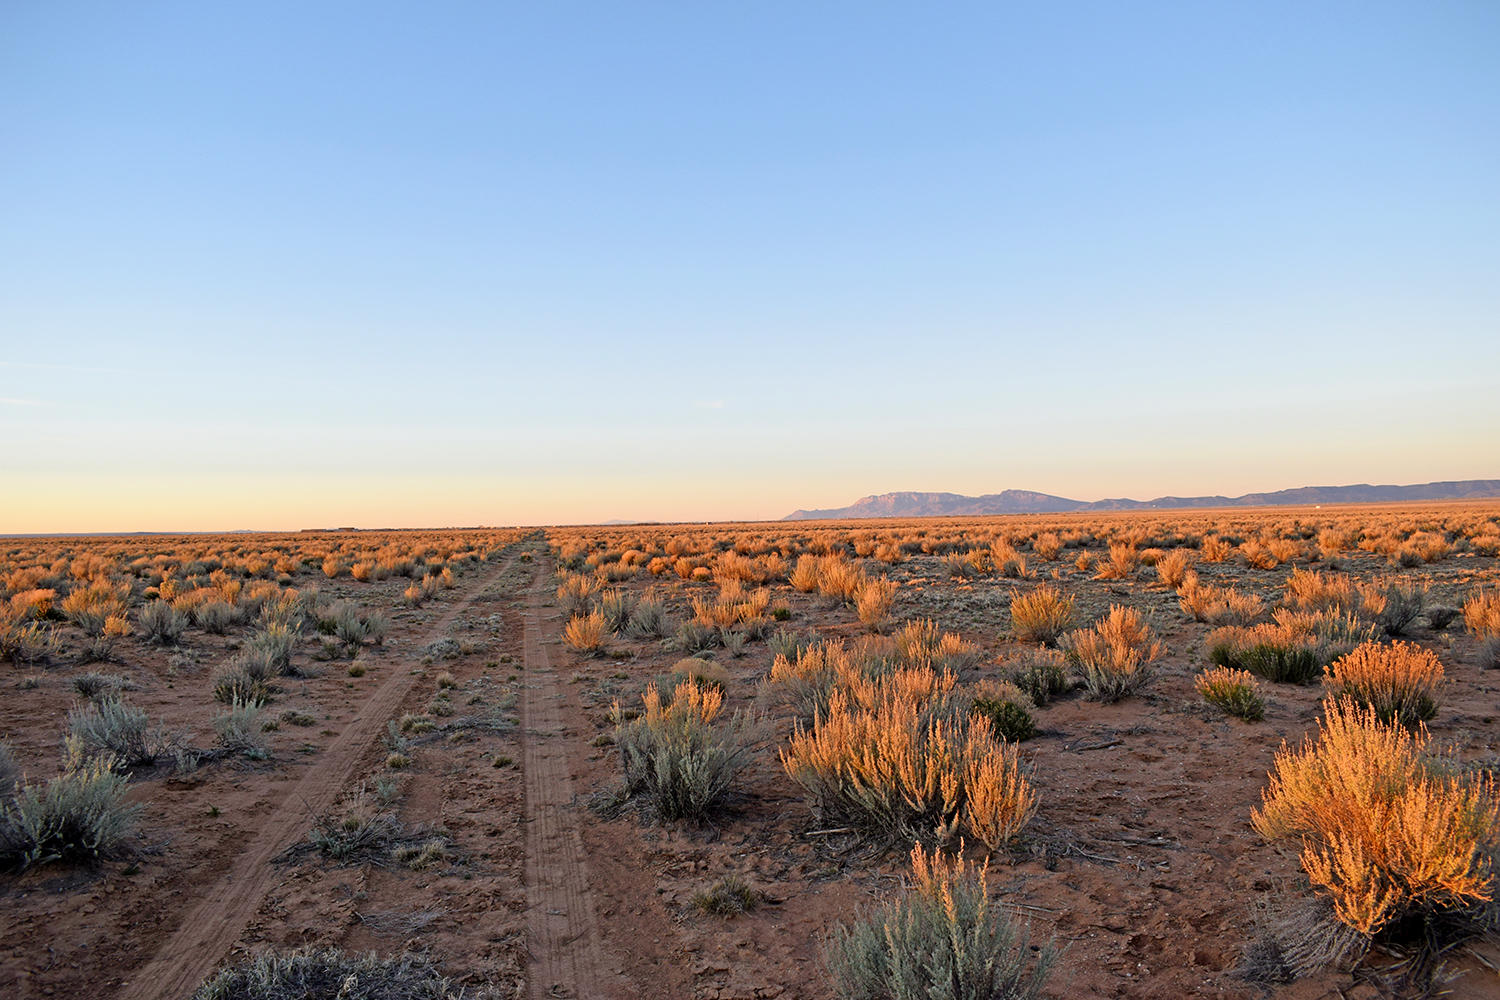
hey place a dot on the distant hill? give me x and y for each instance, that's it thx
(912, 504)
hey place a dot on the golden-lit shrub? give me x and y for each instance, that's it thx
(1386, 831)
(585, 633)
(89, 607)
(1172, 568)
(733, 607)
(1124, 560)
(804, 576)
(1400, 681)
(1218, 605)
(1422, 547)
(1007, 561)
(1215, 549)
(1258, 555)
(1333, 541)
(903, 767)
(1235, 691)
(576, 592)
(34, 604)
(874, 602)
(1041, 615)
(923, 644)
(363, 571)
(839, 579)
(1482, 613)
(1309, 590)
(1047, 545)
(1116, 653)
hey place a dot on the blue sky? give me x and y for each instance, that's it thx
(274, 265)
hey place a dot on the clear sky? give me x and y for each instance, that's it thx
(278, 265)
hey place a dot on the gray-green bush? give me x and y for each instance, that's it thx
(110, 725)
(329, 973)
(80, 815)
(942, 940)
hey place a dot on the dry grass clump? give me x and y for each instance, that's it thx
(80, 815)
(1116, 653)
(1047, 545)
(1482, 613)
(237, 731)
(733, 607)
(873, 604)
(586, 633)
(1008, 562)
(648, 619)
(673, 753)
(303, 975)
(896, 757)
(1400, 681)
(944, 939)
(1173, 567)
(1124, 560)
(1214, 549)
(575, 592)
(1235, 691)
(90, 607)
(923, 644)
(1218, 605)
(344, 621)
(729, 897)
(1041, 615)
(1393, 604)
(1387, 831)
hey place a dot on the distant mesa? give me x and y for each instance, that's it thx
(912, 504)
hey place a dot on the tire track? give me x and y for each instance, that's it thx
(210, 928)
(567, 958)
